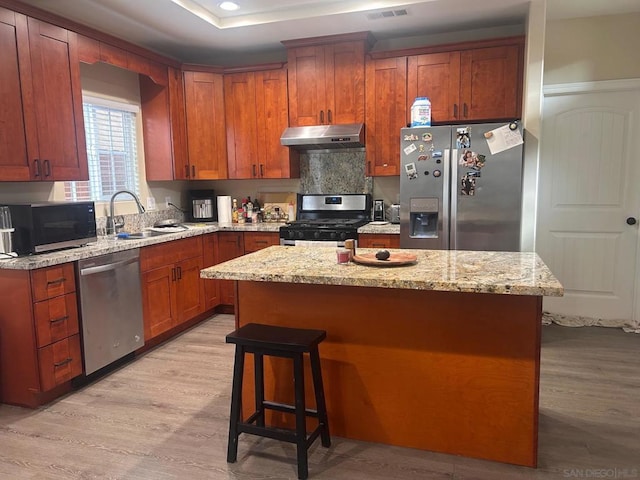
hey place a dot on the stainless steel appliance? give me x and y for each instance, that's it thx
(202, 206)
(394, 213)
(6, 233)
(327, 220)
(45, 226)
(378, 210)
(324, 136)
(111, 306)
(455, 193)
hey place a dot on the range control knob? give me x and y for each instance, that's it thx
(343, 236)
(316, 234)
(300, 235)
(332, 235)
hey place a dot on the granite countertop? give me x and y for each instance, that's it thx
(106, 245)
(515, 273)
(388, 228)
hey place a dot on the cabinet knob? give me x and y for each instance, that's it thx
(631, 221)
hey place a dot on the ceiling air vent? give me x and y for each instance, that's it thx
(386, 14)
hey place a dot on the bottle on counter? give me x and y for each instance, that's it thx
(291, 213)
(350, 245)
(234, 211)
(249, 210)
(241, 217)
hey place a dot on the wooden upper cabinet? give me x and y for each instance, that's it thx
(204, 106)
(491, 82)
(326, 82)
(437, 76)
(255, 117)
(57, 103)
(42, 129)
(386, 101)
(15, 158)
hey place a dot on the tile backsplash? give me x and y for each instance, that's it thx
(136, 222)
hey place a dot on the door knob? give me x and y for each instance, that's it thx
(631, 221)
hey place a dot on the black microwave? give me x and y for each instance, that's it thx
(46, 226)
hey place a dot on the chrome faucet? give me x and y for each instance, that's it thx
(111, 224)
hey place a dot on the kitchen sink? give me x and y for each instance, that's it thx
(137, 235)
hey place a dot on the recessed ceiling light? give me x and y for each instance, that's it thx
(229, 6)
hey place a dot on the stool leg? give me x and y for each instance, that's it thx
(320, 402)
(236, 405)
(259, 387)
(301, 425)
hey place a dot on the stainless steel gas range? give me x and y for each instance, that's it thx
(327, 220)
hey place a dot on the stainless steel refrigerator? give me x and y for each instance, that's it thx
(461, 187)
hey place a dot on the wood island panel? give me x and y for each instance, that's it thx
(442, 371)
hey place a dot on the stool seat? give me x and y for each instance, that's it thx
(278, 338)
(286, 342)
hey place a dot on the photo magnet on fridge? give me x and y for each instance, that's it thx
(468, 185)
(462, 138)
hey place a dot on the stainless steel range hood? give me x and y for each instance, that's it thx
(319, 137)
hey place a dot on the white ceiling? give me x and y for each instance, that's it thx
(207, 34)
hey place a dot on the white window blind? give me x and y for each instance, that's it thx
(110, 131)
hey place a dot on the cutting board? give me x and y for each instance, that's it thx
(394, 260)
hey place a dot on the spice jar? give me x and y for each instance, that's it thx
(350, 245)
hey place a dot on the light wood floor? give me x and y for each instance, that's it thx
(165, 416)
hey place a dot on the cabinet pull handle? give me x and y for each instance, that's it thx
(238, 241)
(47, 168)
(193, 171)
(261, 170)
(255, 171)
(173, 274)
(36, 164)
(329, 119)
(455, 110)
(56, 281)
(321, 117)
(179, 273)
(369, 168)
(263, 242)
(466, 110)
(63, 362)
(57, 320)
(186, 171)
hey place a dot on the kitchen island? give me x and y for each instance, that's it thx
(440, 355)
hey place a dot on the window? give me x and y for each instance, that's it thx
(110, 131)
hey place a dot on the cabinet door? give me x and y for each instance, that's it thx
(59, 362)
(178, 124)
(306, 86)
(189, 294)
(58, 103)
(274, 160)
(158, 300)
(344, 77)
(230, 245)
(437, 76)
(14, 78)
(211, 287)
(386, 114)
(204, 104)
(55, 319)
(490, 83)
(241, 124)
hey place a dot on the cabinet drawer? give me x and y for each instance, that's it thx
(257, 241)
(59, 362)
(56, 318)
(379, 240)
(169, 252)
(52, 281)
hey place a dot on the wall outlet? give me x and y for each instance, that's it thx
(167, 201)
(151, 203)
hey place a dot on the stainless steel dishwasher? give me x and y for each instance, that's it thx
(111, 307)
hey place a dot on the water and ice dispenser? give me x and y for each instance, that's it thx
(423, 217)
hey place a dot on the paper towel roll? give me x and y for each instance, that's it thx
(224, 209)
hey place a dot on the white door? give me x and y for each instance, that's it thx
(589, 188)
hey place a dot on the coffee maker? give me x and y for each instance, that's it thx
(378, 210)
(202, 206)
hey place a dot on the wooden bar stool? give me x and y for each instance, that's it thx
(282, 342)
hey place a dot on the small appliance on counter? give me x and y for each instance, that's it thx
(202, 206)
(378, 210)
(47, 226)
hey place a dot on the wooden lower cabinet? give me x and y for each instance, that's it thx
(254, 241)
(172, 292)
(378, 240)
(230, 245)
(39, 334)
(209, 259)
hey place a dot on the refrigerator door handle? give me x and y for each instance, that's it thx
(453, 195)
